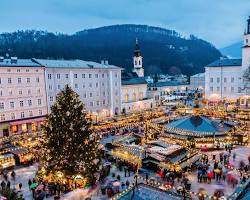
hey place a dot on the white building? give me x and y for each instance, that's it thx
(134, 96)
(138, 68)
(98, 85)
(229, 78)
(22, 96)
(197, 81)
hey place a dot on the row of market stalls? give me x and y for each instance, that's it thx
(12, 156)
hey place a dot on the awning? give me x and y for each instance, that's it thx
(27, 121)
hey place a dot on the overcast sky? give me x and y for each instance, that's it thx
(221, 22)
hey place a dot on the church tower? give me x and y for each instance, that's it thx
(138, 69)
(246, 47)
(246, 60)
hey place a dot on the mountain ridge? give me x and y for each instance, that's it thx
(164, 50)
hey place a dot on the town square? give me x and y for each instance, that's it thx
(123, 112)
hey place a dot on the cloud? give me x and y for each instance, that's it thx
(220, 22)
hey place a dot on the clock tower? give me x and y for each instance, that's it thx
(138, 69)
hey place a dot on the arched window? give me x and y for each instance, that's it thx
(139, 62)
(135, 62)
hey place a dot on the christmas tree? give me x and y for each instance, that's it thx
(70, 144)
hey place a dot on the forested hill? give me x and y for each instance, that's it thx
(164, 51)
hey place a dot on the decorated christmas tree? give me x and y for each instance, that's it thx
(70, 145)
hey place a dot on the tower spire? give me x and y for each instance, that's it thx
(137, 51)
(248, 25)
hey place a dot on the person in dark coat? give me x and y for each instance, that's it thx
(20, 186)
(29, 183)
(8, 184)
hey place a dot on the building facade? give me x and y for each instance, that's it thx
(229, 78)
(197, 81)
(134, 96)
(23, 102)
(98, 85)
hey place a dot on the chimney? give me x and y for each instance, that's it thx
(102, 62)
(13, 60)
(106, 62)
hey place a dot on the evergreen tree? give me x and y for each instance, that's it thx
(70, 144)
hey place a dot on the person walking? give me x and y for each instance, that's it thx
(234, 156)
(29, 183)
(20, 186)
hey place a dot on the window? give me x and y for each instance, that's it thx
(50, 87)
(2, 117)
(246, 40)
(218, 89)
(91, 103)
(211, 80)
(38, 91)
(58, 87)
(1, 105)
(76, 85)
(96, 75)
(83, 85)
(27, 70)
(211, 89)
(126, 98)
(225, 80)
(49, 76)
(104, 94)
(9, 80)
(90, 84)
(66, 75)
(39, 101)
(218, 80)
(97, 103)
(29, 91)
(1, 93)
(40, 112)
(103, 102)
(10, 92)
(28, 80)
(22, 115)
(51, 98)
(116, 83)
(84, 95)
(37, 70)
(30, 113)
(8, 70)
(225, 89)
(116, 75)
(232, 89)
(12, 115)
(96, 84)
(19, 80)
(12, 104)
(37, 79)
(102, 84)
(20, 92)
(58, 76)
(90, 94)
(102, 75)
(75, 75)
(18, 70)
(29, 102)
(83, 75)
(21, 103)
(90, 75)
(232, 79)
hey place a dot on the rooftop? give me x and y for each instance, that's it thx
(200, 75)
(200, 124)
(72, 64)
(18, 63)
(167, 83)
(134, 81)
(226, 63)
